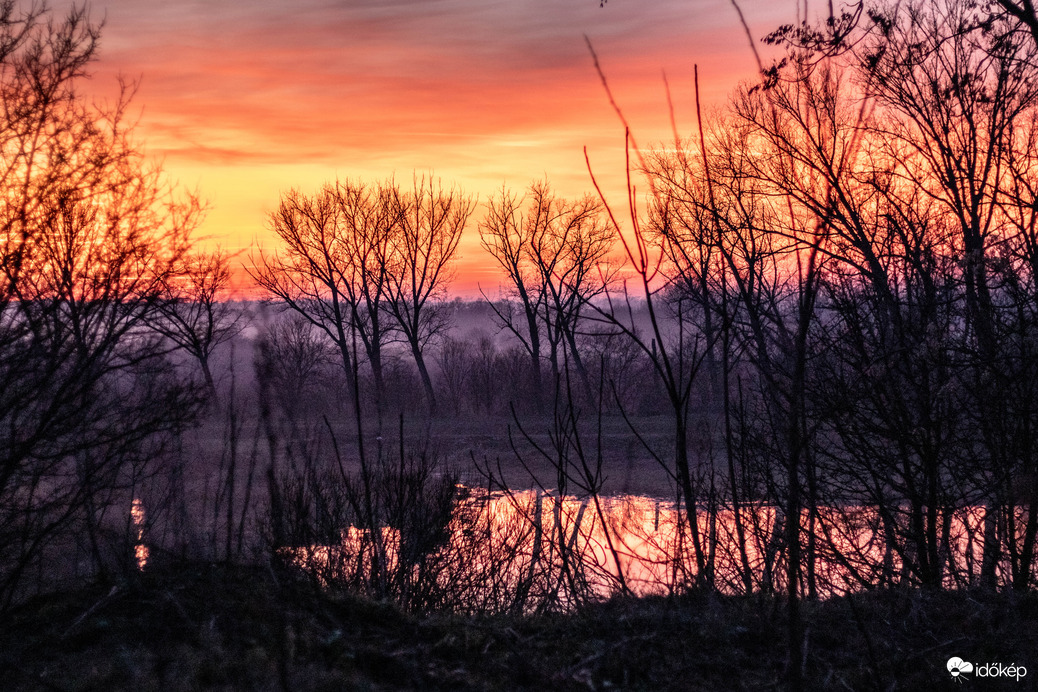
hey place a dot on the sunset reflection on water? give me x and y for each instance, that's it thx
(643, 545)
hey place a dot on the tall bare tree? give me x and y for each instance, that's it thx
(89, 234)
(555, 253)
(307, 275)
(569, 246)
(418, 261)
(505, 232)
(369, 215)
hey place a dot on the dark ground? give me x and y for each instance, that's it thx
(206, 627)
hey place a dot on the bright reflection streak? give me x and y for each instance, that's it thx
(536, 543)
(140, 550)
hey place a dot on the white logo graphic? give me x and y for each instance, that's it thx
(957, 667)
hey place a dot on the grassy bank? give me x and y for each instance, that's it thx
(200, 626)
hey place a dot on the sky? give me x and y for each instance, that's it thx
(244, 101)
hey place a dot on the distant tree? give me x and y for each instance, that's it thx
(196, 313)
(507, 235)
(369, 215)
(340, 246)
(307, 274)
(292, 357)
(569, 247)
(417, 262)
(556, 255)
(318, 273)
(454, 359)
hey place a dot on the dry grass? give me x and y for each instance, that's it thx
(199, 626)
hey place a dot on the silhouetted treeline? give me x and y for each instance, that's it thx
(836, 277)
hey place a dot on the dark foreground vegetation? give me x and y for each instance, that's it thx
(822, 334)
(201, 626)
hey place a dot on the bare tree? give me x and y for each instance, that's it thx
(506, 234)
(293, 359)
(556, 255)
(369, 214)
(1024, 12)
(89, 234)
(569, 246)
(926, 219)
(198, 316)
(418, 262)
(308, 274)
(334, 269)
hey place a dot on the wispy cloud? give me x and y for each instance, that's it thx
(342, 73)
(485, 92)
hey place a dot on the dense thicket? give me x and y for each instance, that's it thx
(831, 295)
(89, 238)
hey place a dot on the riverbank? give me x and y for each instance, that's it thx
(212, 627)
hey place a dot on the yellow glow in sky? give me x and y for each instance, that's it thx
(243, 101)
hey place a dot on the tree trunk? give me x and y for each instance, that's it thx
(423, 371)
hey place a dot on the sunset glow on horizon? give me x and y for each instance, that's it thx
(244, 102)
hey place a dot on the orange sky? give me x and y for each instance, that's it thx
(243, 101)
